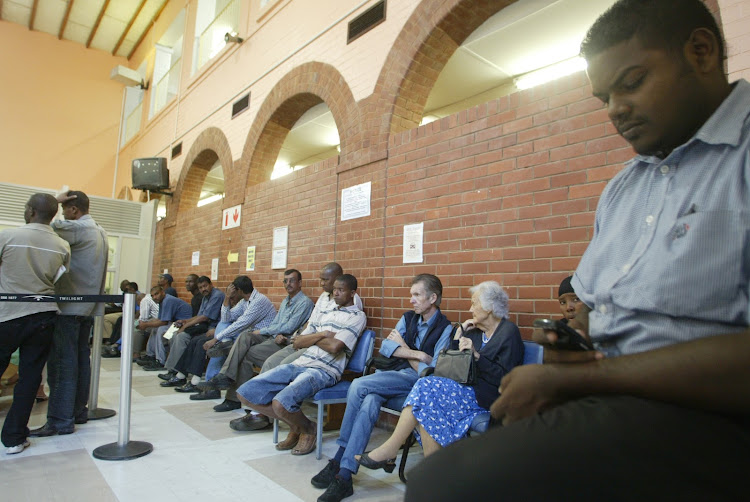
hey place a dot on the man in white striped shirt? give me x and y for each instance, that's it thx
(330, 342)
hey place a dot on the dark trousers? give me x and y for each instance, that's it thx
(597, 448)
(69, 371)
(193, 360)
(33, 335)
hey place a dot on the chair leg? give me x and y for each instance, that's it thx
(319, 432)
(402, 466)
(275, 431)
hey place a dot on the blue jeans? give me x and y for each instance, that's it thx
(69, 371)
(363, 401)
(215, 363)
(288, 384)
(33, 335)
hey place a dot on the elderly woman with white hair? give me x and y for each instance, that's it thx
(441, 409)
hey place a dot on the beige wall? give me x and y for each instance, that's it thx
(59, 112)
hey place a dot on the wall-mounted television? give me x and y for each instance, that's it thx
(150, 174)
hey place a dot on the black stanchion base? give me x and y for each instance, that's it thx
(131, 450)
(99, 413)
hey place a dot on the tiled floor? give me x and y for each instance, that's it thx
(196, 456)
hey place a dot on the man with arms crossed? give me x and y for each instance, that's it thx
(419, 336)
(662, 409)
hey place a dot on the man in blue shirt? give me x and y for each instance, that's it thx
(208, 316)
(171, 309)
(419, 336)
(661, 410)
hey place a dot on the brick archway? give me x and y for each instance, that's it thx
(299, 90)
(428, 39)
(209, 146)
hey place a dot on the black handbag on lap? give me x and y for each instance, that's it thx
(458, 365)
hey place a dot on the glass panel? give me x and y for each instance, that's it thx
(211, 40)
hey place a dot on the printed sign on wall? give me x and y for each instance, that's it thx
(231, 217)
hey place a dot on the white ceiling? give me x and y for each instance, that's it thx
(114, 26)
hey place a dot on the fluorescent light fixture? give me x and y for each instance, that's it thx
(550, 73)
(209, 200)
(281, 169)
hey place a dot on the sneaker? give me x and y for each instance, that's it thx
(250, 422)
(324, 477)
(12, 450)
(338, 490)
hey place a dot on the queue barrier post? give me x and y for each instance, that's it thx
(124, 448)
(96, 413)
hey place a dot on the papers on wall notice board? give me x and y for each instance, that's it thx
(413, 235)
(250, 260)
(355, 201)
(196, 259)
(170, 332)
(278, 258)
(280, 245)
(214, 269)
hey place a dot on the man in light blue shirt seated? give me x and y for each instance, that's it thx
(661, 409)
(419, 336)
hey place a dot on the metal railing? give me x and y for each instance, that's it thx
(211, 41)
(166, 88)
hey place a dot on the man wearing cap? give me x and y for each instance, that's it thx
(570, 304)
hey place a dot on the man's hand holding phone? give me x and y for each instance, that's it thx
(564, 343)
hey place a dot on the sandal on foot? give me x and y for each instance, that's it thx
(290, 442)
(305, 445)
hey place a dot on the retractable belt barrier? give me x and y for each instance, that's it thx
(123, 449)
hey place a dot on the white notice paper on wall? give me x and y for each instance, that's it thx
(280, 236)
(278, 259)
(196, 259)
(413, 243)
(355, 201)
(214, 269)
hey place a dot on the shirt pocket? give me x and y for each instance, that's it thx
(705, 267)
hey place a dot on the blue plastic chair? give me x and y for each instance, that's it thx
(337, 393)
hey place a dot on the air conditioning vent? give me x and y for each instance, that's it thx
(241, 105)
(177, 150)
(366, 21)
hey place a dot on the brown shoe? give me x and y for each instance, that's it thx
(290, 442)
(305, 445)
(250, 422)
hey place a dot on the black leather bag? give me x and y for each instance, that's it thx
(388, 363)
(458, 365)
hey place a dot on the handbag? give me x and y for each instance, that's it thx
(458, 365)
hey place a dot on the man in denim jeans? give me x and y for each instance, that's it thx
(420, 334)
(69, 367)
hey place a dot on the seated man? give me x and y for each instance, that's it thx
(171, 309)
(279, 393)
(243, 308)
(570, 304)
(165, 281)
(207, 317)
(253, 347)
(191, 284)
(661, 410)
(419, 336)
(328, 274)
(113, 314)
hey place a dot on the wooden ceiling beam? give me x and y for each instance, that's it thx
(65, 19)
(145, 31)
(96, 24)
(127, 28)
(33, 14)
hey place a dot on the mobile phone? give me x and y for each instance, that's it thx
(567, 337)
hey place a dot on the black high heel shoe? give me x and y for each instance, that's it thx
(387, 465)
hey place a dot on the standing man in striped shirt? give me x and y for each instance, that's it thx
(32, 259)
(330, 342)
